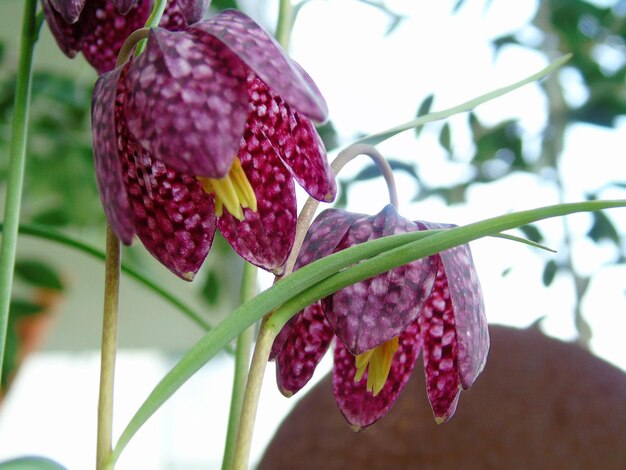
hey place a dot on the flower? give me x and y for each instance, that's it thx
(98, 28)
(209, 126)
(380, 325)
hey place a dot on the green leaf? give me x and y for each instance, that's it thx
(444, 137)
(423, 109)
(532, 233)
(31, 463)
(23, 308)
(603, 228)
(39, 274)
(211, 288)
(549, 272)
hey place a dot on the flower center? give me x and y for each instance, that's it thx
(233, 191)
(377, 361)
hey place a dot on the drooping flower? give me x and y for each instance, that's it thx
(98, 28)
(209, 126)
(380, 325)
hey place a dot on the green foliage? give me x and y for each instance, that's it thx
(31, 463)
(38, 274)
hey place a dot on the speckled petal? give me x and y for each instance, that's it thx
(188, 102)
(304, 348)
(107, 158)
(324, 234)
(174, 217)
(378, 309)
(295, 139)
(104, 35)
(264, 238)
(469, 310)
(64, 34)
(264, 56)
(123, 6)
(439, 337)
(68, 9)
(360, 407)
(193, 10)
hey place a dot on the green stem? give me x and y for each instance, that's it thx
(46, 233)
(17, 160)
(152, 22)
(379, 256)
(108, 349)
(261, 354)
(242, 361)
(285, 23)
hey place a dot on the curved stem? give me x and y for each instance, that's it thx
(131, 41)
(52, 235)
(308, 211)
(242, 360)
(108, 349)
(17, 160)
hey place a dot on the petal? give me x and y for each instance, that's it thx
(174, 217)
(107, 158)
(378, 309)
(469, 310)
(360, 407)
(188, 103)
(104, 35)
(439, 336)
(324, 234)
(264, 56)
(295, 139)
(64, 33)
(193, 10)
(68, 9)
(122, 6)
(304, 348)
(265, 237)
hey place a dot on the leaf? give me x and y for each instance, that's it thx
(532, 233)
(444, 137)
(39, 274)
(31, 463)
(549, 272)
(329, 136)
(603, 228)
(371, 171)
(224, 4)
(211, 288)
(23, 308)
(423, 109)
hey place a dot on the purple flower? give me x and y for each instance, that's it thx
(381, 324)
(98, 28)
(209, 126)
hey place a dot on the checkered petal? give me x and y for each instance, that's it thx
(68, 9)
(187, 102)
(303, 349)
(359, 406)
(254, 46)
(378, 309)
(294, 138)
(265, 237)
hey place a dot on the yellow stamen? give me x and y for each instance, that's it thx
(377, 361)
(233, 191)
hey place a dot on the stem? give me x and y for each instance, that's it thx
(109, 347)
(242, 360)
(268, 329)
(55, 236)
(285, 23)
(152, 22)
(17, 160)
(308, 211)
(251, 398)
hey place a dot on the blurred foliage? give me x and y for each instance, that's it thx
(596, 36)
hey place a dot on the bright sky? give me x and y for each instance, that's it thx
(371, 82)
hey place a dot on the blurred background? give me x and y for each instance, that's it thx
(378, 63)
